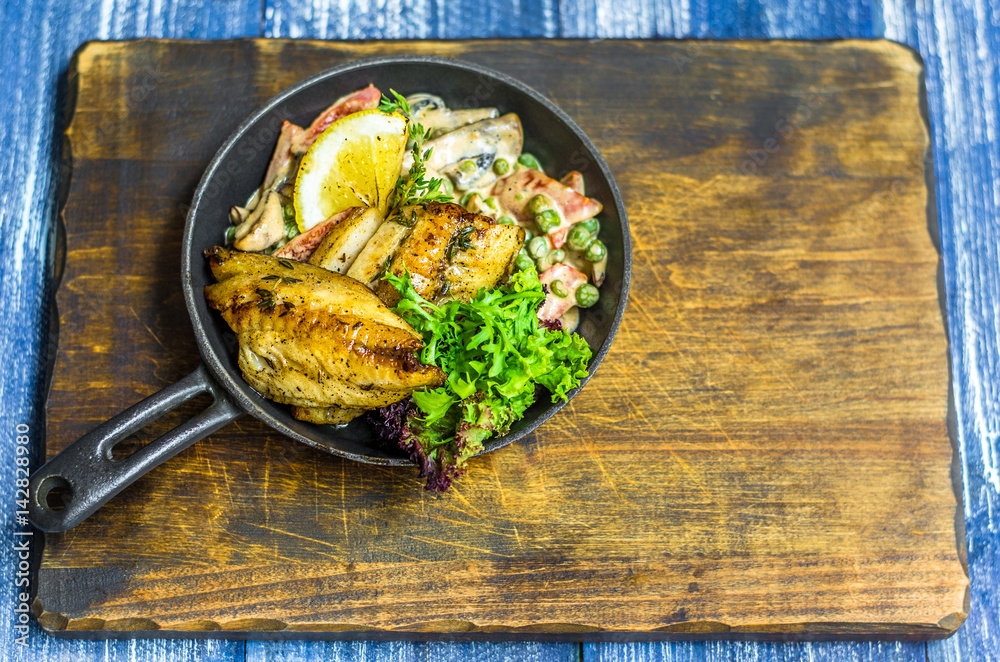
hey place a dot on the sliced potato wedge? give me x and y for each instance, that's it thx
(381, 247)
(341, 246)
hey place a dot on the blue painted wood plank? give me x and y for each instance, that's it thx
(896, 20)
(767, 19)
(750, 19)
(753, 652)
(960, 44)
(51, 649)
(292, 651)
(41, 36)
(409, 19)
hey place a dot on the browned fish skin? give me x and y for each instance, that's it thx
(451, 252)
(314, 339)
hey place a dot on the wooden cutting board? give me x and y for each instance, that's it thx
(764, 453)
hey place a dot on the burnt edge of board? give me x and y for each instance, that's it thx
(456, 630)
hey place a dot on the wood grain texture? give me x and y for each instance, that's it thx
(784, 309)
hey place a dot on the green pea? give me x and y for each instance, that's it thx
(579, 238)
(558, 255)
(291, 229)
(528, 160)
(491, 203)
(543, 263)
(538, 204)
(230, 234)
(528, 235)
(501, 167)
(506, 220)
(548, 221)
(467, 198)
(288, 212)
(587, 295)
(559, 289)
(538, 247)
(467, 166)
(592, 224)
(596, 252)
(523, 261)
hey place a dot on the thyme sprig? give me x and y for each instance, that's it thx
(460, 242)
(266, 302)
(416, 187)
(282, 279)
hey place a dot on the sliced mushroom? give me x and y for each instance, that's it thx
(440, 122)
(283, 161)
(466, 155)
(598, 270)
(424, 102)
(238, 214)
(570, 320)
(263, 228)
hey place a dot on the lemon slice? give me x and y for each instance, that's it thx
(354, 162)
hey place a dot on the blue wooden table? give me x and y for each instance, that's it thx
(960, 44)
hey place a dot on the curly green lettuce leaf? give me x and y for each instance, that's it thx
(494, 353)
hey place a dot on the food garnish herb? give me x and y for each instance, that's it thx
(282, 279)
(415, 188)
(494, 352)
(266, 302)
(460, 242)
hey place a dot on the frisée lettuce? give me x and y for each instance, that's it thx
(495, 353)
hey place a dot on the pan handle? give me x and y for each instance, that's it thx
(86, 477)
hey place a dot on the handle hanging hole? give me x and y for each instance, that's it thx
(54, 493)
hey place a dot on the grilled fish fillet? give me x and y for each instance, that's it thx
(452, 253)
(314, 339)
